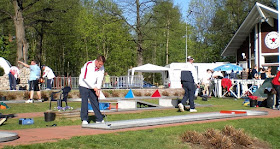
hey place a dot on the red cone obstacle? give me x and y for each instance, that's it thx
(156, 94)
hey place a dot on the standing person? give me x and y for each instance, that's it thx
(276, 84)
(250, 74)
(90, 81)
(206, 82)
(217, 75)
(13, 76)
(244, 74)
(189, 83)
(262, 74)
(48, 73)
(255, 73)
(34, 76)
(107, 80)
(268, 72)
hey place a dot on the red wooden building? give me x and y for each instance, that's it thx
(256, 41)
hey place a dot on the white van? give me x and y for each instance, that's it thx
(173, 79)
(5, 65)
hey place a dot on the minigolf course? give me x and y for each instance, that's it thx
(173, 119)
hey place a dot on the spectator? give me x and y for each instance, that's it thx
(13, 76)
(48, 73)
(250, 74)
(262, 74)
(255, 73)
(34, 76)
(206, 82)
(276, 85)
(232, 75)
(268, 73)
(107, 80)
(217, 75)
(244, 74)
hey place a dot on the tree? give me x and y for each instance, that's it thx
(214, 23)
(133, 14)
(17, 17)
(166, 32)
(100, 33)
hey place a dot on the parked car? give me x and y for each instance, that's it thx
(148, 85)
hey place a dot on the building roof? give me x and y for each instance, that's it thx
(259, 13)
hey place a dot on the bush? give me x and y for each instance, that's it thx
(165, 93)
(137, 93)
(44, 96)
(10, 96)
(176, 94)
(228, 138)
(116, 94)
(26, 95)
(106, 94)
(2, 72)
(148, 94)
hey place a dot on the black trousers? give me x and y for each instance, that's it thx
(89, 94)
(12, 81)
(189, 88)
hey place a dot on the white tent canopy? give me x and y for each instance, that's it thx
(148, 68)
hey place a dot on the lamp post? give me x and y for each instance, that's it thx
(187, 34)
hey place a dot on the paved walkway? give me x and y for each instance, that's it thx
(53, 134)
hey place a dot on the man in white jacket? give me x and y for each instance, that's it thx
(90, 81)
(48, 73)
(189, 83)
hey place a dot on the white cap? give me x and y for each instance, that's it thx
(190, 58)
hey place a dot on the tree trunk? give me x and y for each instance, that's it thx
(40, 45)
(167, 41)
(22, 45)
(139, 36)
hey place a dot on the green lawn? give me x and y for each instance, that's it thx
(266, 129)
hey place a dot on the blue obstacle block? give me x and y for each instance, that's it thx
(129, 94)
(102, 106)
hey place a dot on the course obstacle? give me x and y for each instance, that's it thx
(156, 94)
(129, 94)
(174, 119)
(8, 136)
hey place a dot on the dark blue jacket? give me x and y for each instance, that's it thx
(186, 76)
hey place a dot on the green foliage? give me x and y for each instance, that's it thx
(166, 33)
(214, 24)
(66, 34)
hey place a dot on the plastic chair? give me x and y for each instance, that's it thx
(62, 97)
(226, 83)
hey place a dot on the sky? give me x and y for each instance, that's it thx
(183, 6)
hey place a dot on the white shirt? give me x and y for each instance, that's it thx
(89, 77)
(48, 73)
(206, 78)
(217, 73)
(15, 71)
(190, 67)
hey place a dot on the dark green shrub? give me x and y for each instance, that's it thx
(2, 72)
